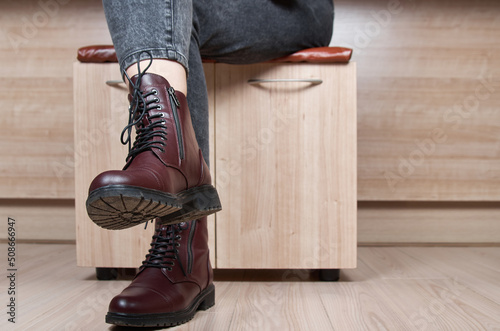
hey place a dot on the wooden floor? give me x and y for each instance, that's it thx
(393, 288)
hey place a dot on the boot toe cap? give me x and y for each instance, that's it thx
(137, 300)
(112, 177)
(141, 178)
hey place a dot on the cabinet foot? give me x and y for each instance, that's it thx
(329, 275)
(106, 273)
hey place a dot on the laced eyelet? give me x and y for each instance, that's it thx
(156, 100)
(159, 107)
(162, 114)
(155, 91)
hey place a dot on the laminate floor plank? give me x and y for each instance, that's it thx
(439, 304)
(361, 306)
(487, 256)
(393, 288)
(454, 262)
(391, 263)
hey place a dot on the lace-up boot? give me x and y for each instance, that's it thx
(165, 174)
(174, 281)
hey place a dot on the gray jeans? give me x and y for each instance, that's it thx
(228, 31)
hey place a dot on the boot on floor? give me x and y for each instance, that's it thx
(174, 281)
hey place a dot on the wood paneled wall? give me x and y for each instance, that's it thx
(38, 43)
(428, 97)
(428, 114)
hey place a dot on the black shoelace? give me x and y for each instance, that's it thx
(164, 249)
(139, 108)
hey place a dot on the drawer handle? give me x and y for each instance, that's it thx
(259, 81)
(250, 81)
(115, 82)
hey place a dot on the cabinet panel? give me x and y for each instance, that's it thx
(100, 115)
(286, 166)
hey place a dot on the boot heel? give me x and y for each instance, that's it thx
(209, 299)
(196, 203)
(205, 198)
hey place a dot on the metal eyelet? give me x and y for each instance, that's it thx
(156, 100)
(155, 91)
(159, 107)
(162, 114)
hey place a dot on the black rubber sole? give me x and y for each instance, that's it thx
(117, 207)
(203, 301)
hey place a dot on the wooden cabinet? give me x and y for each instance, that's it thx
(283, 157)
(286, 166)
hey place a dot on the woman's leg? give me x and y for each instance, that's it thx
(251, 31)
(175, 279)
(197, 92)
(160, 27)
(165, 174)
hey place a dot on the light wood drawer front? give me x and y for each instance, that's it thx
(286, 167)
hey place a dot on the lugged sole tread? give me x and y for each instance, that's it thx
(121, 207)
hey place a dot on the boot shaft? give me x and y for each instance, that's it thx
(181, 250)
(166, 112)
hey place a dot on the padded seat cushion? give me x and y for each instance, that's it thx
(106, 53)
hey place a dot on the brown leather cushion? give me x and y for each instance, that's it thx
(103, 53)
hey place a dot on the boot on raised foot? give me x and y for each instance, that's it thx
(165, 174)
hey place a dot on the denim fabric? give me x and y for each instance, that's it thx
(236, 32)
(162, 27)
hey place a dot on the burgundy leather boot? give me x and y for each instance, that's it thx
(165, 174)
(173, 282)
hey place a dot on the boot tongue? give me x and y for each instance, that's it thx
(162, 248)
(143, 83)
(146, 80)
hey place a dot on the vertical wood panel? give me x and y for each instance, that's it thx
(39, 220)
(428, 222)
(38, 45)
(285, 167)
(429, 101)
